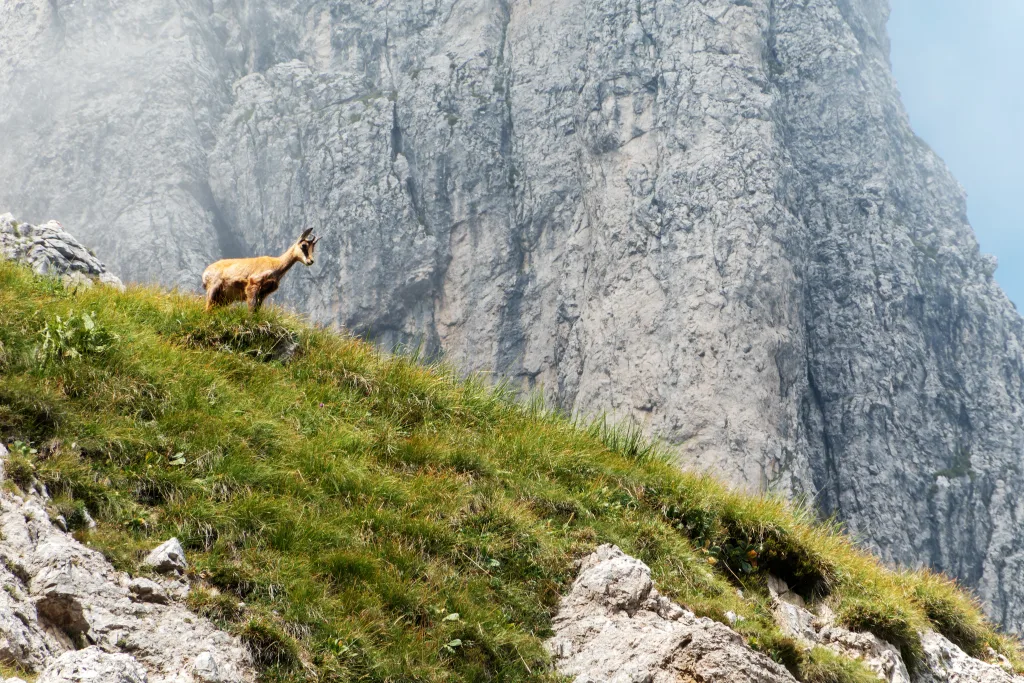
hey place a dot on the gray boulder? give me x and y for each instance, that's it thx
(947, 663)
(614, 626)
(944, 662)
(146, 590)
(168, 558)
(50, 250)
(207, 670)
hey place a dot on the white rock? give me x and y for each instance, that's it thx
(49, 249)
(947, 663)
(206, 669)
(89, 521)
(879, 656)
(944, 662)
(168, 557)
(779, 590)
(614, 626)
(147, 590)
(796, 621)
(59, 593)
(93, 665)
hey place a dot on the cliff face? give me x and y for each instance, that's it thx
(710, 216)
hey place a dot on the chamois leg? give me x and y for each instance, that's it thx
(213, 295)
(267, 287)
(252, 295)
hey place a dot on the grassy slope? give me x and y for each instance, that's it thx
(386, 521)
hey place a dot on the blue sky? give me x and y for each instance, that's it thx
(960, 68)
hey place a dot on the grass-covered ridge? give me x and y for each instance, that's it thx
(359, 516)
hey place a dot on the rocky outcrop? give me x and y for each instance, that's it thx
(67, 615)
(613, 625)
(50, 250)
(709, 216)
(811, 629)
(946, 663)
(943, 661)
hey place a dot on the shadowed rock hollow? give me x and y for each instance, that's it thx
(712, 217)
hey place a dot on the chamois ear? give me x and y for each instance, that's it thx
(305, 234)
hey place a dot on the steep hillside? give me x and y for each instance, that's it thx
(710, 216)
(358, 516)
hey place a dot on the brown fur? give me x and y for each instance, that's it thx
(254, 279)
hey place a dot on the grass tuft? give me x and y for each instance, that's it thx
(236, 332)
(821, 665)
(892, 622)
(273, 650)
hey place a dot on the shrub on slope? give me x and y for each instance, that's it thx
(360, 516)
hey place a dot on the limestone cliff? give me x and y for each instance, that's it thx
(710, 216)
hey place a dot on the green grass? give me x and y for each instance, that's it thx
(7, 671)
(824, 666)
(359, 516)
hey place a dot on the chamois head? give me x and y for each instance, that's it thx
(305, 245)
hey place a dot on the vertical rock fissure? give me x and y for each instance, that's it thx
(512, 338)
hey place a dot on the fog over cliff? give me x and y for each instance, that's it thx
(709, 216)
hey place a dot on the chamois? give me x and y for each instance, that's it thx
(254, 279)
